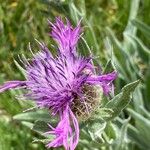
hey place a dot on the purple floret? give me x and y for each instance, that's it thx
(54, 82)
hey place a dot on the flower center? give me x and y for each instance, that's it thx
(85, 106)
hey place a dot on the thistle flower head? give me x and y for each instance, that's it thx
(65, 84)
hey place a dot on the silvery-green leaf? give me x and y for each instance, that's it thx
(44, 141)
(122, 139)
(108, 67)
(41, 115)
(120, 101)
(95, 128)
(111, 130)
(104, 113)
(137, 136)
(143, 124)
(22, 70)
(139, 44)
(145, 112)
(41, 127)
(134, 7)
(143, 27)
(28, 124)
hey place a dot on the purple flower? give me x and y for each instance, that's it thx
(65, 84)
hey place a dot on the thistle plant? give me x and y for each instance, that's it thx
(65, 84)
(69, 86)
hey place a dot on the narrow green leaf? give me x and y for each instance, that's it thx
(139, 134)
(143, 126)
(108, 67)
(146, 112)
(134, 7)
(42, 127)
(44, 141)
(143, 27)
(111, 130)
(120, 101)
(95, 128)
(28, 124)
(134, 135)
(119, 54)
(104, 113)
(41, 115)
(139, 44)
(142, 121)
(121, 141)
(23, 71)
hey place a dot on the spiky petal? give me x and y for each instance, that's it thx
(12, 84)
(64, 131)
(66, 36)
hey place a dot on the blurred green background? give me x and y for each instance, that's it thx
(114, 29)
